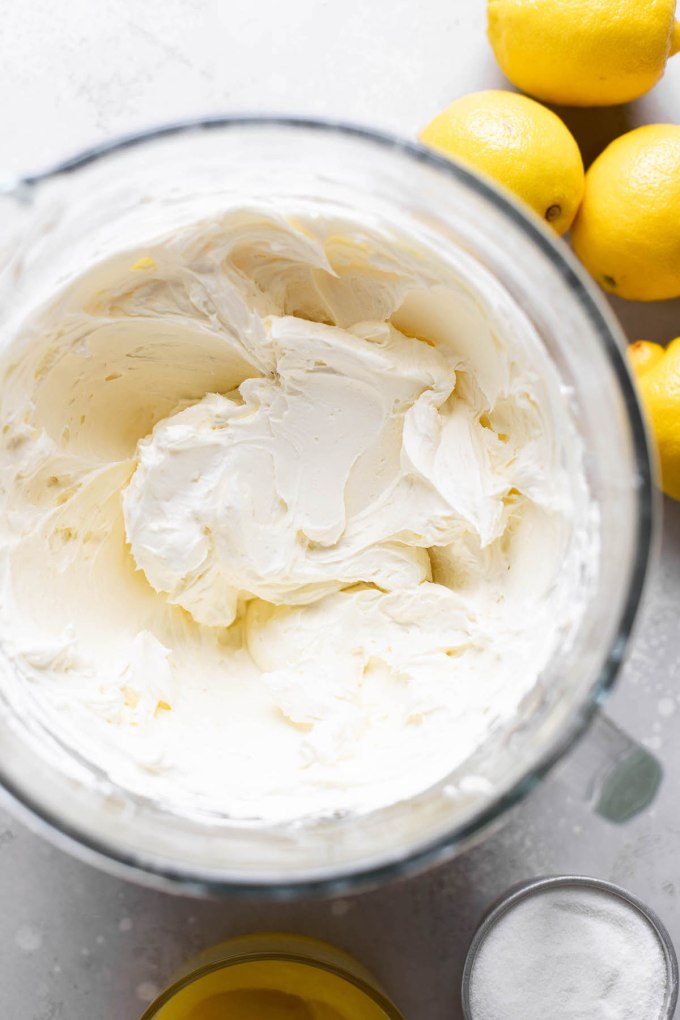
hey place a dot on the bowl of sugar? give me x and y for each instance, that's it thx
(570, 947)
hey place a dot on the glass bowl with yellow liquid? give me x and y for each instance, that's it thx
(273, 976)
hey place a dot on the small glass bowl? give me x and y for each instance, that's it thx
(525, 890)
(275, 962)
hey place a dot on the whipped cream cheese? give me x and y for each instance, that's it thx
(288, 516)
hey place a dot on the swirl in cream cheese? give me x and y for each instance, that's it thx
(285, 515)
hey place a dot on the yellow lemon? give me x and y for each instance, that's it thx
(643, 354)
(627, 232)
(658, 377)
(583, 52)
(519, 143)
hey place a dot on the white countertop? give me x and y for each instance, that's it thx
(79, 945)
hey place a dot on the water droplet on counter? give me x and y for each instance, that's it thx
(147, 991)
(28, 938)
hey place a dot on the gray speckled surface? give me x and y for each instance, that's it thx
(79, 945)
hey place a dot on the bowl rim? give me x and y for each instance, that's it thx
(165, 874)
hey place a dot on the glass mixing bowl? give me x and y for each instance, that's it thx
(52, 220)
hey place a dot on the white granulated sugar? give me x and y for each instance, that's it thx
(570, 953)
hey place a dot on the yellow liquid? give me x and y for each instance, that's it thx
(271, 990)
(267, 1005)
